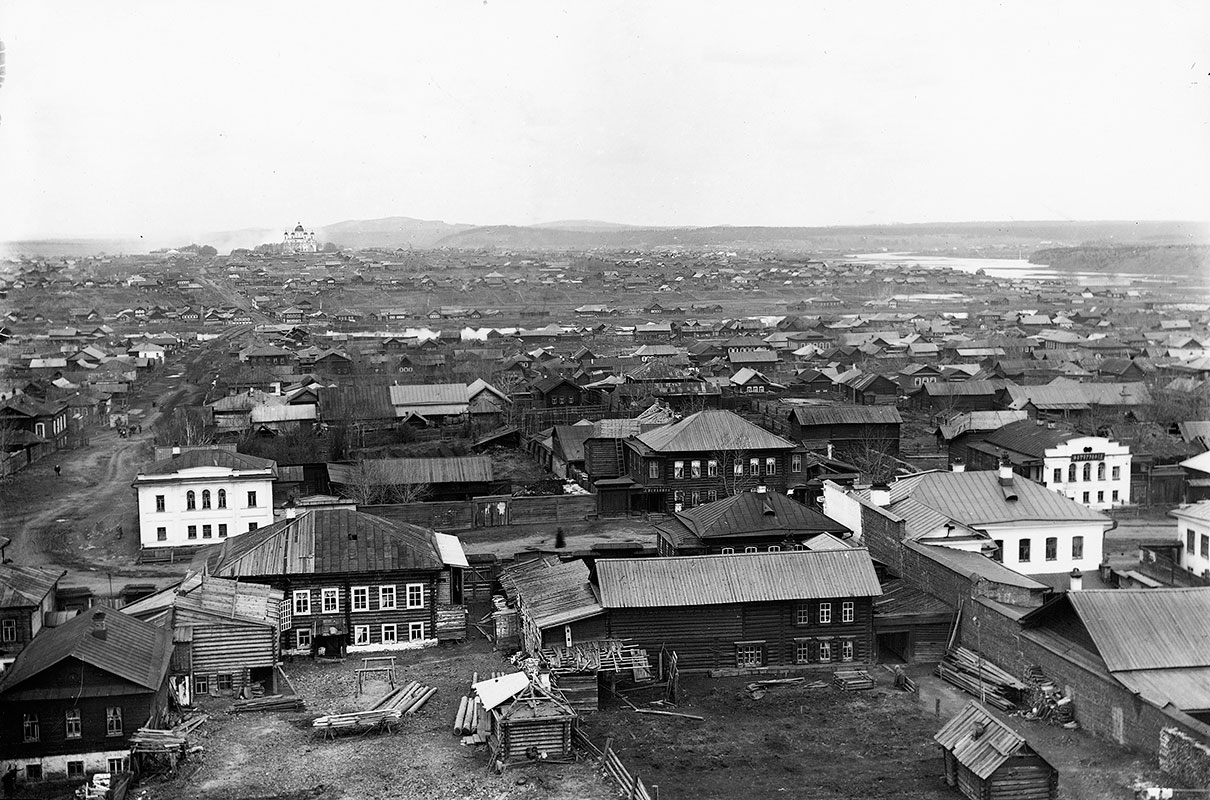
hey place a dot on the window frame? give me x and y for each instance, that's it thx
(695, 468)
(407, 595)
(796, 463)
(191, 532)
(252, 498)
(825, 613)
(207, 531)
(299, 644)
(848, 611)
(70, 730)
(802, 614)
(222, 530)
(1051, 551)
(847, 649)
(1071, 472)
(825, 651)
(1024, 550)
(358, 639)
(1058, 475)
(770, 466)
(161, 504)
(1077, 548)
(750, 648)
(224, 678)
(329, 593)
(712, 468)
(362, 592)
(727, 551)
(205, 499)
(678, 470)
(653, 469)
(191, 500)
(394, 633)
(388, 590)
(201, 684)
(161, 534)
(412, 634)
(8, 629)
(301, 594)
(75, 770)
(753, 466)
(802, 651)
(222, 498)
(113, 721)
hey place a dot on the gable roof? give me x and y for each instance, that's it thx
(411, 471)
(552, 592)
(206, 596)
(747, 578)
(755, 512)
(25, 587)
(977, 498)
(429, 394)
(847, 415)
(208, 457)
(324, 541)
(1147, 629)
(712, 430)
(133, 650)
(979, 740)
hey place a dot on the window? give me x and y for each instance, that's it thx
(1205, 545)
(825, 613)
(653, 469)
(1190, 541)
(225, 682)
(360, 598)
(8, 630)
(1100, 497)
(302, 601)
(416, 631)
(159, 502)
(1071, 473)
(1023, 551)
(386, 597)
(796, 463)
(205, 498)
(302, 638)
(802, 614)
(1101, 471)
(113, 721)
(1117, 473)
(251, 499)
(329, 601)
(711, 495)
(695, 499)
(737, 469)
(253, 526)
(190, 500)
(1087, 473)
(207, 532)
(825, 651)
(678, 469)
(415, 595)
(775, 548)
(1052, 548)
(695, 469)
(161, 534)
(389, 634)
(361, 634)
(201, 684)
(749, 549)
(727, 551)
(40, 428)
(848, 611)
(191, 531)
(75, 769)
(712, 468)
(72, 723)
(999, 554)
(33, 772)
(846, 650)
(1115, 495)
(1077, 547)
(1058, 475)
(799, 546)
(754, 466)
(222, 530)
(222, 498)
(678, 500)
(1085, 497)
(802, 651)
(116, 765)
(749, 654)
(770, 466)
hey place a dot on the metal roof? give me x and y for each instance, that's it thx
(411, 471)
(551, 591)
(429, 394)
(977, 498)
(744, 578)
(211, 457)
(847, 415)
(1188, 689)
(751, 512)
(325, 541)
(133, 650)
(338, 403)
(1149, 629)
(966, 563)
(1199, 510)
(979, 740)
(712, 430)
(1029, 437)
(26, 587)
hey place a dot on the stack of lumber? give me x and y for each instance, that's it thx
(610, 655)
(274, 702)
(383, 714)
(852, 680)
(979, 677)
(152, 739)
(473, 722)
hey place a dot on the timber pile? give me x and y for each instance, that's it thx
(473, 722)
(274, 702)
(852, 680)
(384, 714)
(979, 677)
(149, 740)
(757, 689)
(1047, 702)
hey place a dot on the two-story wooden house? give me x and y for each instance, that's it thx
(76, 693)
(705, 456)
(557, 391)
(352, 581)
(27, 595)
(804, 609)
(846, 430)
(749, 522)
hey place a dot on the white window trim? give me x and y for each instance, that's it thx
(825, 613)
(361, 635)
(407, 594)
(353, 604)
(298, 632)
(383, 592)
(413, 627)
(297, 595)
(848, 611)
(324, 595)
(394, 636)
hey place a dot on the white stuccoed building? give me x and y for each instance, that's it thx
(1193, 533)
(202, 496)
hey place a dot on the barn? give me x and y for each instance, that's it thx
(985, 759)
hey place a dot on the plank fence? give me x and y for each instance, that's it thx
(631, 785)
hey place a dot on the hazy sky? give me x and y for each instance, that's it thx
(159, 118)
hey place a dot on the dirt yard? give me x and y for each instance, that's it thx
(278, 755)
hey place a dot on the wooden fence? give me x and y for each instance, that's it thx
(632, 787)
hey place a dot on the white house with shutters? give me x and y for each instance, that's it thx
(202, 496)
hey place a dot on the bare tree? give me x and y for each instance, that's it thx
(875, 455)
(184, 427)
(374, 482)
(731, 455)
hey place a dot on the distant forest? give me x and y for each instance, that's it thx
(1166, 260)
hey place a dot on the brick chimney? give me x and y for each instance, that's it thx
(957, 465)
(1077, 580)
(880, 495)
(98, 626)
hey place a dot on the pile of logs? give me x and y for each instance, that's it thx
(1047, 701)
(384, 714)
(852, 680)
(979, 677)
(473, 722)
(757, 689)
(273, 702)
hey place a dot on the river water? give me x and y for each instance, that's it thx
(1010, 268)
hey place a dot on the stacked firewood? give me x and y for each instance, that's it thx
(273, 702)
(977, 676)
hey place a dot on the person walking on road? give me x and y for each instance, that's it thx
(58, 469)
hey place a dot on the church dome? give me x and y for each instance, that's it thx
(299, 228)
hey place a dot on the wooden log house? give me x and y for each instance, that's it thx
(352, 581)
(985, 759)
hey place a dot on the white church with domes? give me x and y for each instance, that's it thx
(299, 240)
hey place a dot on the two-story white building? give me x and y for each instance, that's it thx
(1193, 533)
(202, 496)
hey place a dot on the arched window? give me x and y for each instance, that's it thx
(190, 500)
(1088, 472)
(1101, 471)
(205, 498)
(1071, 473)
(222, 498)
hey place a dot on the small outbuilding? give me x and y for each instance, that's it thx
(530, 722)
(987, 760)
